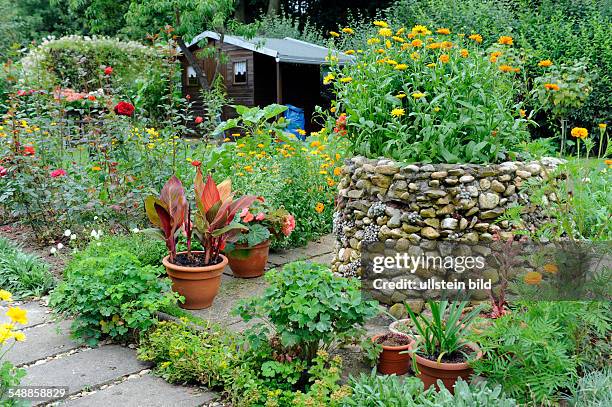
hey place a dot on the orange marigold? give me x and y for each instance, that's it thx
(444, 58)
(505, 40)
(551, 86)
(476, 37)
(445, 31)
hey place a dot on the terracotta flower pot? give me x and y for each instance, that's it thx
(249, 262)
(390, 361)
(199, 285)
(430, 370)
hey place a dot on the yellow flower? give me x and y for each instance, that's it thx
(381, 24)
(226, 139)
(551, 86)
(446, 45)
(506, 68)
(444, 58)
(522, 112)
(248, 168)
(433, 45)
(437, 109)
(328, 79)
(241, 145)
(332, 109)
(443, 31)
(398, 39)
(330, 182)
(260, 145)
(400, 31)
(430, 65)
(420, 30)
(301, 132)
(505, 40)
(385, 32)
(476, 37)
(391, 62)
(315, 143)
(400, 95)
(319, 207)
(545, 63)
(6, 296)
(398, 112)
(348, 30)
(533, 278)
(346, 79)
(372, 41)
(338, 156)
(580, 132)
(337, 171)
(418, 95)
(417, 43)
(415, 56)
(380, 51)
(96, 168)
(602, 126)
(241, 154)
(17, 315)
(349, 52)
(388, 44)
(334, 34)
(551, 268)
(464, 53)
(19, 336)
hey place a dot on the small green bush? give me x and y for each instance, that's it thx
(389, 391)
(23, 274)
(308, 308)
(112, 295)
(149, 251)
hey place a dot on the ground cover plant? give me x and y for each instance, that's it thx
(23, 274)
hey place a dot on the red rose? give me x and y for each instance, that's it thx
(58, 173)
(196, 163)
(29, 150)
(3, 171)
(199, 120)
(108, 70)
(124, 109)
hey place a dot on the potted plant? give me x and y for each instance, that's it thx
(196, 275)
(395, 355)
(441, 350)
(248, 256)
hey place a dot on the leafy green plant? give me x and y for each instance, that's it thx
(536, 351)
(446, 332)
(114, 296)
(593, 390)
(23, 274)
(307, 307)
(389, 391)
(148, 251)
(264, 223)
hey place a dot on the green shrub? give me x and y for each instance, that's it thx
(423, 97)
(112, 295)
(536, 352)
(307, 307)
(389, 391)
(23, 274)
(148, 251)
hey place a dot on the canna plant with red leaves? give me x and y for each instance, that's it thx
(214, 221)
(168, 212)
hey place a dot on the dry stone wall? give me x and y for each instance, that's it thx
(403, 206)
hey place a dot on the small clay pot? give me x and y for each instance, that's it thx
(199, 285)
(391, 361)
(430, 370)
(249, 262)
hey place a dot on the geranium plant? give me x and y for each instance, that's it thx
(264, 223)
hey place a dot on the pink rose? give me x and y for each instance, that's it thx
(58, 173)
(3, 171)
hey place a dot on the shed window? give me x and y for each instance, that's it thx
(240, 72)
(192, 78)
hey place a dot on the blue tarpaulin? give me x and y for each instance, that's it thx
(295, 116)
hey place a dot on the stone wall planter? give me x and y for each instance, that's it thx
(400, 206)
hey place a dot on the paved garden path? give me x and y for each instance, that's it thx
(111, 375)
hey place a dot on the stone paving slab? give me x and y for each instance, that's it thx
(89, 368)
(144, 391)
(42, 341)
(36, 313)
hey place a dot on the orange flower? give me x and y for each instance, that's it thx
(464, 53)
(551, 86)
(533, 278)
(505, 40)
(417, 43)
(443, 31)
(476, 37)
(506, 68)
(337, 171)
(551, 268)
(580, 132)
(608, 163)
(319, 207)
(545, 63)
(444, 58)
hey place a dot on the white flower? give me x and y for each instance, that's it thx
(135, 230)
(67, 232)
(95, 218)
(60, 246)
(73, 236)
(94, 234)
(100, 233)
(53, 250)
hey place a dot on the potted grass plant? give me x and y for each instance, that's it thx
(196, 275)
(441, 350)
(248, 255)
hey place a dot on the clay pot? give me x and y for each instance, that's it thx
(430, 371)
(199, 285)
(249, 262)
(390, 361)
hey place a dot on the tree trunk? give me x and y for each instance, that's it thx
(273, 7)
(200, 75)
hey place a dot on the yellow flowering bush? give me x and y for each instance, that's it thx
(9, 375)
(462, 105)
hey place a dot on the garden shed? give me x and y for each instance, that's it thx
(259, 71)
